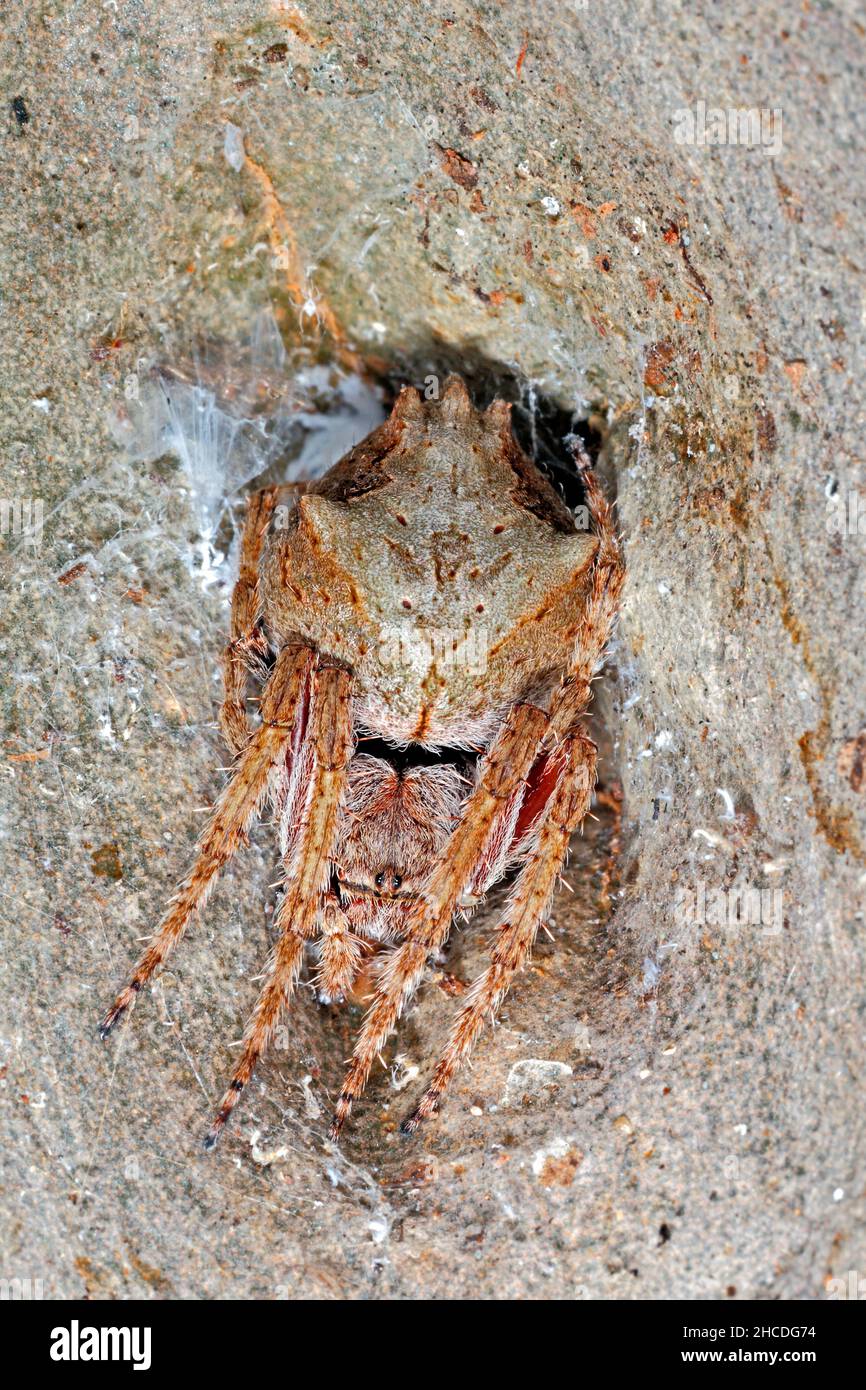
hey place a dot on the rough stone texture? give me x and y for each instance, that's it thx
(499, 190)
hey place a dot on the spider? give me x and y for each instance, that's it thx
(405, 778)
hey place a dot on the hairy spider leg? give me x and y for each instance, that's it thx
(528, 907)
(561, 784)
(247, 644)
(262, 762)
(307, 873)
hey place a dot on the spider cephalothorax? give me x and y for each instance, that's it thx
(435, 622)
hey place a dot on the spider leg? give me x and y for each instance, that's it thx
(246, 639)
(573, 757)
(505, 768)
(527, 910)
(283, 708)
(308, 870)
(342, 952)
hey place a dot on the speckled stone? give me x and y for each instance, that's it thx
(504, 193)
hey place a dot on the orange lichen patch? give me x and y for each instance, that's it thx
(790, 621)
(105, 861)
(791, 205)
(154, 1277)
(765, 427)
(284, 246)
(72, 574)
(282, 237)
(290, 17)
(837, 826)
(85, 1269)
(457, 166)
(851, 762)
(694, 364)
(739, 506)
(37, 755)
(651, 284)
(605, 209)
(585, 218)
(656, 375)
(795, 371)
(418, 1173)
(560, 1172)
(483, 98)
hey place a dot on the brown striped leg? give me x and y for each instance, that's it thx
(574, 755)
(341, 952)
(527, 910)
(283, 705)
(307, 873)
(504, 769)
(246, 639)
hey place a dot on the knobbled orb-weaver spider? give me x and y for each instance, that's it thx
(436, 523)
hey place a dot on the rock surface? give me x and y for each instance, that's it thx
(501, 191)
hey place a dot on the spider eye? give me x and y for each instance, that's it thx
(396, 881)
(379, 880)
